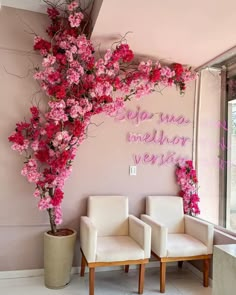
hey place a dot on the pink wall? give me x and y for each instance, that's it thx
(102, 164)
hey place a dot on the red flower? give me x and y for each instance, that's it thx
(77, 129)
(34, 111)
(178, 68)
(17, 137)
(43, 155)
(155, 75)
(189, 163)
(57, 197)
(61, 161)
(50, 129)
(22, 126)
(105, 99)
(53, 12)
(42, 44)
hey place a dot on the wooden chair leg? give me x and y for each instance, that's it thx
(83, 263)
(162, 276)
(206, 264)
(180, 264)
(91, 281)
(141, 278)
(126, 268)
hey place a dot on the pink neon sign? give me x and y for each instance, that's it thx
(138, 116)
(156, 136)
(158, 159)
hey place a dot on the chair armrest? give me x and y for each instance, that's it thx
(141, 233)
(88, 238)
(200, 230)
(159, 236)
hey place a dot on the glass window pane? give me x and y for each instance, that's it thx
(231, 167)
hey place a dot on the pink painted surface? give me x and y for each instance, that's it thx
(101, 166)
(191, 32)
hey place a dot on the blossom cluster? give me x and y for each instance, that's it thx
(187, 179)
(78, 86)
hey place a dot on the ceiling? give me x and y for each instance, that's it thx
(189, 32)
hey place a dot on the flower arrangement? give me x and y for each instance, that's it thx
(187, 179)
(78, 86)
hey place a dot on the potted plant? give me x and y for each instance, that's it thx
(78, 86)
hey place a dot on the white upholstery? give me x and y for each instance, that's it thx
(159, 236)
(110, 214)
(182, 245)
(118, 248)
(141, 233)
(173, 233)
(201, 230)
(110, 234)
(88, 238)
(175, 236)
(168, 211)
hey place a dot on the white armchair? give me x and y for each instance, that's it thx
(175, 236)
(109, 236)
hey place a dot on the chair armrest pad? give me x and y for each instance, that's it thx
(200, 230)
(159, 236)
(88, 238)
(141, 233)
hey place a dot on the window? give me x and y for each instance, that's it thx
(215, 146)
(231, 156)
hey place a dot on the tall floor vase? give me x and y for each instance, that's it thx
(58, 258)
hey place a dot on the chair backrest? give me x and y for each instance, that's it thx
(167, 210)
(109, 214)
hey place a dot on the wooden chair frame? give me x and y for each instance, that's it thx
(93, 265)
(163, 260)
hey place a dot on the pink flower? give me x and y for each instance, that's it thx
(37, 193)
(73, 5)
(35, 145)
(75, 19)
(45, 203)
(20, 147)
(79, 84)
(73, 75)
(58, 215)
(49, 60)
(186, 178)
(30, 171)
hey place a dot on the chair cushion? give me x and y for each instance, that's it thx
(109, 214)
(167, 210)
(182, 245)
(118, 248)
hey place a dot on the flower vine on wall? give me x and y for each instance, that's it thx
(78, 86)
(187, 179)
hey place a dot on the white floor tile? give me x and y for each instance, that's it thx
(178, 282)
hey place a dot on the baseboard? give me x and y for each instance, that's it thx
(26, 273)
(13, 274)
(197, 272)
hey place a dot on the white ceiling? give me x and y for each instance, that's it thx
(190, 32)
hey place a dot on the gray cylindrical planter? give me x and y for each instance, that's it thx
(58, 258)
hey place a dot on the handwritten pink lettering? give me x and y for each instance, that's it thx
(223, 125)
(157, 137)
(158, 159)
(222, 144)
(138, 116)
(167, 119)
(134, 116)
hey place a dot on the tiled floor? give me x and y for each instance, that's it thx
(179, 282)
